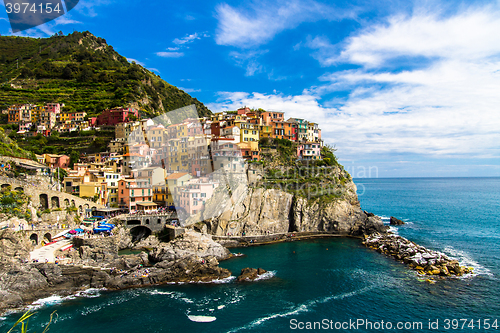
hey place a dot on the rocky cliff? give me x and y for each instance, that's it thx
(97, 264)
(255, 211)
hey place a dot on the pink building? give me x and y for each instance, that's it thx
(53, 107)
(57, 161)
(192, 197)
(309, 151)
(115, 116)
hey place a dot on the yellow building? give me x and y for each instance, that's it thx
(248, 132)
(160, 194)
(89, 189)
(175, 181)
(266, 131)
(35, 113)
(156, 136)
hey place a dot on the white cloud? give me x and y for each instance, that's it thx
(249, 60)
(258, 25)
(170, 54)
(136, 61)
(88, 7)
(445, 107)
(189, 90)
(66, 19)
(471, 35)
(172, 48)
(185, 40)
(154, 69)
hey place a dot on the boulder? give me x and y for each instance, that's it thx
(395, 221)
(250, 274)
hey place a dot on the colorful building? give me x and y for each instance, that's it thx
(309, 151)
(193, 195)
(116, 116)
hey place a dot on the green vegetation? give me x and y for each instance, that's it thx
(286, 151)
(13, 203)
(11, 148)
(321, 180)
(83, 72)
(24, 320)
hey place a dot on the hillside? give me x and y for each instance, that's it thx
(83, 72)
(11, 148)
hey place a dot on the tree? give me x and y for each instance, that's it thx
(68, 73)
(26, 73)
(74, 157)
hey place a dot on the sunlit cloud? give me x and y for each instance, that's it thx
(170, 54)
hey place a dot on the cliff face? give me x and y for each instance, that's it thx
(249, 211)
(257, 211)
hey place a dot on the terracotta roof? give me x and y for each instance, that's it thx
(177, 175)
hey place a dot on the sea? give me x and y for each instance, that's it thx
(333, 284)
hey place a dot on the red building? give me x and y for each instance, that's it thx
(115, 116)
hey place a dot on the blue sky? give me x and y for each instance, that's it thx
(401, 88)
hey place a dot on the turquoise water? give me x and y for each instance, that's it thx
(333, 280)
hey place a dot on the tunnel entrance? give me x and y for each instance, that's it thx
(140, 232)
(34, 239)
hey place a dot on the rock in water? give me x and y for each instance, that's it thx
(395, 221)
(250, 274)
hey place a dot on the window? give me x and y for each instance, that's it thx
(203, 195)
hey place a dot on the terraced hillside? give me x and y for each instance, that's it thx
(83, 72)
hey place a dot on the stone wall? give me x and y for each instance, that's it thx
(42, 197)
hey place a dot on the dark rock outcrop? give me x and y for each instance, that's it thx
(395, 221)
(250, 274)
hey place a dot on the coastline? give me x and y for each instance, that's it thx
(245, 241)
(147, 276)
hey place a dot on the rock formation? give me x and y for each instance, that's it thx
(250, 274)
(424, 261)
(257, 211)
(395, 221)
(96, 264)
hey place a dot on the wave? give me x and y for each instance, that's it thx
(302, 308)
(465, 259)
(220, 281)
(267, 275)
(90, 293)
(157, 292)
(394, 230)
(47, 301)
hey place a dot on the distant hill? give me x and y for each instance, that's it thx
(83, 72)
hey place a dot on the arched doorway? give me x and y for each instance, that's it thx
(34, 239)
(19, 189)
(47, 238)
(66, 203)
(73, 203)
(140, 232)
(44, 201)
(55, 202)
(5, 186)
(80, 210)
